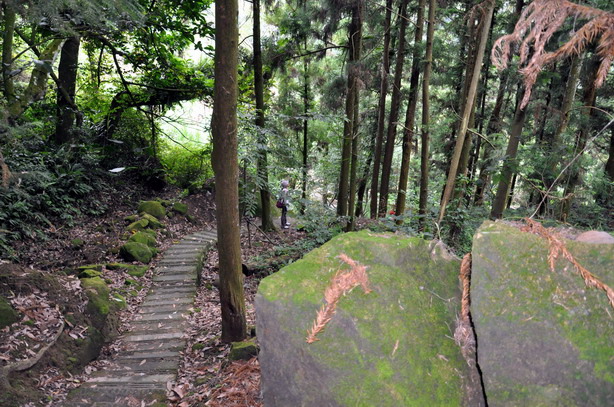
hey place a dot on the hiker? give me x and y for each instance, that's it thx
(283, 200)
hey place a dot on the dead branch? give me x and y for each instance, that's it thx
(534, 29)
(342, 283)
(557, 248)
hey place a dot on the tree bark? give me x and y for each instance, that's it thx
(354, 164)
(588, 99)
(67, 75)
(468, 106)
(226, 168)
(425, 134)
(262, 160)
(381, 111)
(355, 41)
(7, 52)
(410, 116)
(394, 112)
(509, 165)
(305, 131)
(362, 185)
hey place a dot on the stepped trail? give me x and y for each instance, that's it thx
(151, 353)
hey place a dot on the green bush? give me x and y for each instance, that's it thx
(187, 166)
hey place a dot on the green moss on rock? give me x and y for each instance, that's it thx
(88, 273)
(138, 225)
(153, 208)
(180, 208)
(545, 338)
(153, 222)
(134, 251)
(243, 350)
(8, 315)
(145, 238)
(390, 347)
(98, 294)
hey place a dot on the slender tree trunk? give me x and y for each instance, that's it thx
(304, 170)
(425, 135)
(355, 41)
(394, 112)
(67, 75)
(553, 148)
(226, 169)
(468, 106)
(7, 52)
(609, 165)
(410, 116)
(354, 164)
(588, 99)
(509, 165)
(381, 111)
(510, 196)
(362, 185)
(262, 160)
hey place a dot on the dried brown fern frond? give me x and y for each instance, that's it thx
(342, 283)
(557, 247)
(536, 25)
(465, 277)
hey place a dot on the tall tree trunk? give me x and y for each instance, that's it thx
(484, 28)
(394, 112)
(553, 147)
(410, 116)
(362, 185)
(494, 122)
(355, 41)
(354, 164)
(7, 52)
(304, 169)
(509, 165)
(67, 75)
(588, 99)
(609, 165)
(226, 169)
(381, 111)
(262, 160)
(425, 135)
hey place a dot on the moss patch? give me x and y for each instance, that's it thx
(8, 315)
(390, 347)
(138, 225)
(145, 238)
(134, 251)
(153, 208)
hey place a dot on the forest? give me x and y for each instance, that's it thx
(423, 118)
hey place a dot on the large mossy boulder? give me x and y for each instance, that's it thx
(390, 347)
(544, 338)
(145, 238)
(153, 208)
(135, 251)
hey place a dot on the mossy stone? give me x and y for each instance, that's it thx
(153, 208)
(145, 238)
(134, 251)
(180, 208)
(8, 315)
(137, 271)
(89, 273)
(138, 225)
(97, 292)
(243, 350)
(387, 348)
(544, 337)
(131, 218)
(153, 222)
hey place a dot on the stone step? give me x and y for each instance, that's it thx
(172, 344)
(153, 337)
(138, 379)
(176, 277)
(149, 354)
(160, 317)
(139, 366)
(173, 269)
(113, 395)
(151, 308)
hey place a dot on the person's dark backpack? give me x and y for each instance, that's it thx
(280, 203)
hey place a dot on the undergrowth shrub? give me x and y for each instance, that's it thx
(49, 187)
(187, 167)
